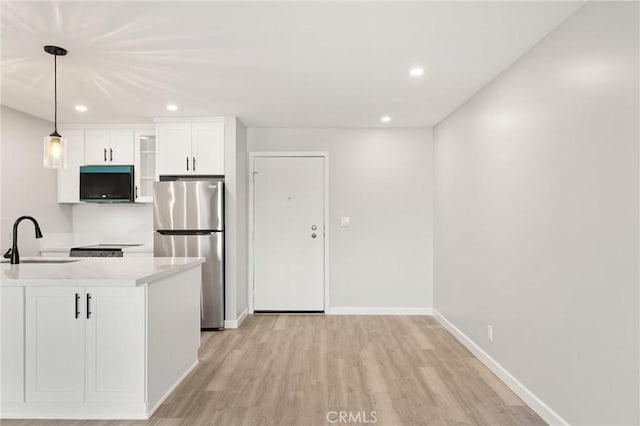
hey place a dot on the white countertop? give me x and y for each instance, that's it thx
(95, 271)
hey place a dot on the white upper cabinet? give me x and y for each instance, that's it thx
(96, 146)
(145, 164)
(99, 144)
(121, 147)
(190, 148)
(69, 178)
(207, 145)
(109, 146)
(174, 148)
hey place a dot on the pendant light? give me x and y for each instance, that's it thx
(55, 146)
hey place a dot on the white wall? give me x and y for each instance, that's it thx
(27, 188)
(536, 225)
(383, 180)
(242, 203)
(235, 220)
(113, 223)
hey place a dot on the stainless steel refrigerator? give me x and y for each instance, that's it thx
(188, 220)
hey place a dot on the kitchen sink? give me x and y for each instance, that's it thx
(42, 261)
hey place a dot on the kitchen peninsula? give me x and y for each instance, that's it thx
(96, 338)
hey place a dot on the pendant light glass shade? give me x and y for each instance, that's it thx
(54, 145)
(55, 152)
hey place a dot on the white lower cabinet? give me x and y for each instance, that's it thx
(12, 347)
(115, 344)
(85, 344)
(54, 345)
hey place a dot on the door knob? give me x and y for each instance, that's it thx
(314, 235)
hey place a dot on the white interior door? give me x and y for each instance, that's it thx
(289, 233)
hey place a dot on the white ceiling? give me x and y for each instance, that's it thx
(273, 64)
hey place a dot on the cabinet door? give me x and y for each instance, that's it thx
(96, 146)
(174, 148)
(121, 147)
(69, 178)
(54, 333)
(115, 336)
(145, 164)
(12, 348)
(208, 148)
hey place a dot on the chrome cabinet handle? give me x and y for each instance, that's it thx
(105, 155)
(187, 163)
(77, 306)
(110, 154)
(88, 305)
(194, 163)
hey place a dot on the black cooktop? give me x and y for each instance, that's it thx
(106, 246)
(100, 250)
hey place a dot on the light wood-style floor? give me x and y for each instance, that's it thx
(293, 370)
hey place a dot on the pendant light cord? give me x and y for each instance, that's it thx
(55, 93)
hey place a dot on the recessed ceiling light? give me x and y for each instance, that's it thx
(385, 119)
(81, 108)
(416, 72)
(172, 107)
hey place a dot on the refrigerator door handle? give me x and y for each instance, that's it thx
(187, 232)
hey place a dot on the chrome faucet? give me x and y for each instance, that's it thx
(15, 256)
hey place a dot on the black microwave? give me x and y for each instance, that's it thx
(107, 184)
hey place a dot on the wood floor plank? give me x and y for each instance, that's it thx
(294, 370)
(498, 386)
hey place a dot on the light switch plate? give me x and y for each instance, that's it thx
(345, 221)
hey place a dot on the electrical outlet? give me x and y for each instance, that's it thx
(490, 333)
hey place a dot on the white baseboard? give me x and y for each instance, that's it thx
(237, 322)
(536, 404)
(377, 311)
(73, 411)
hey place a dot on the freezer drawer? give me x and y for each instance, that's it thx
(188, 205)
(210, 246)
